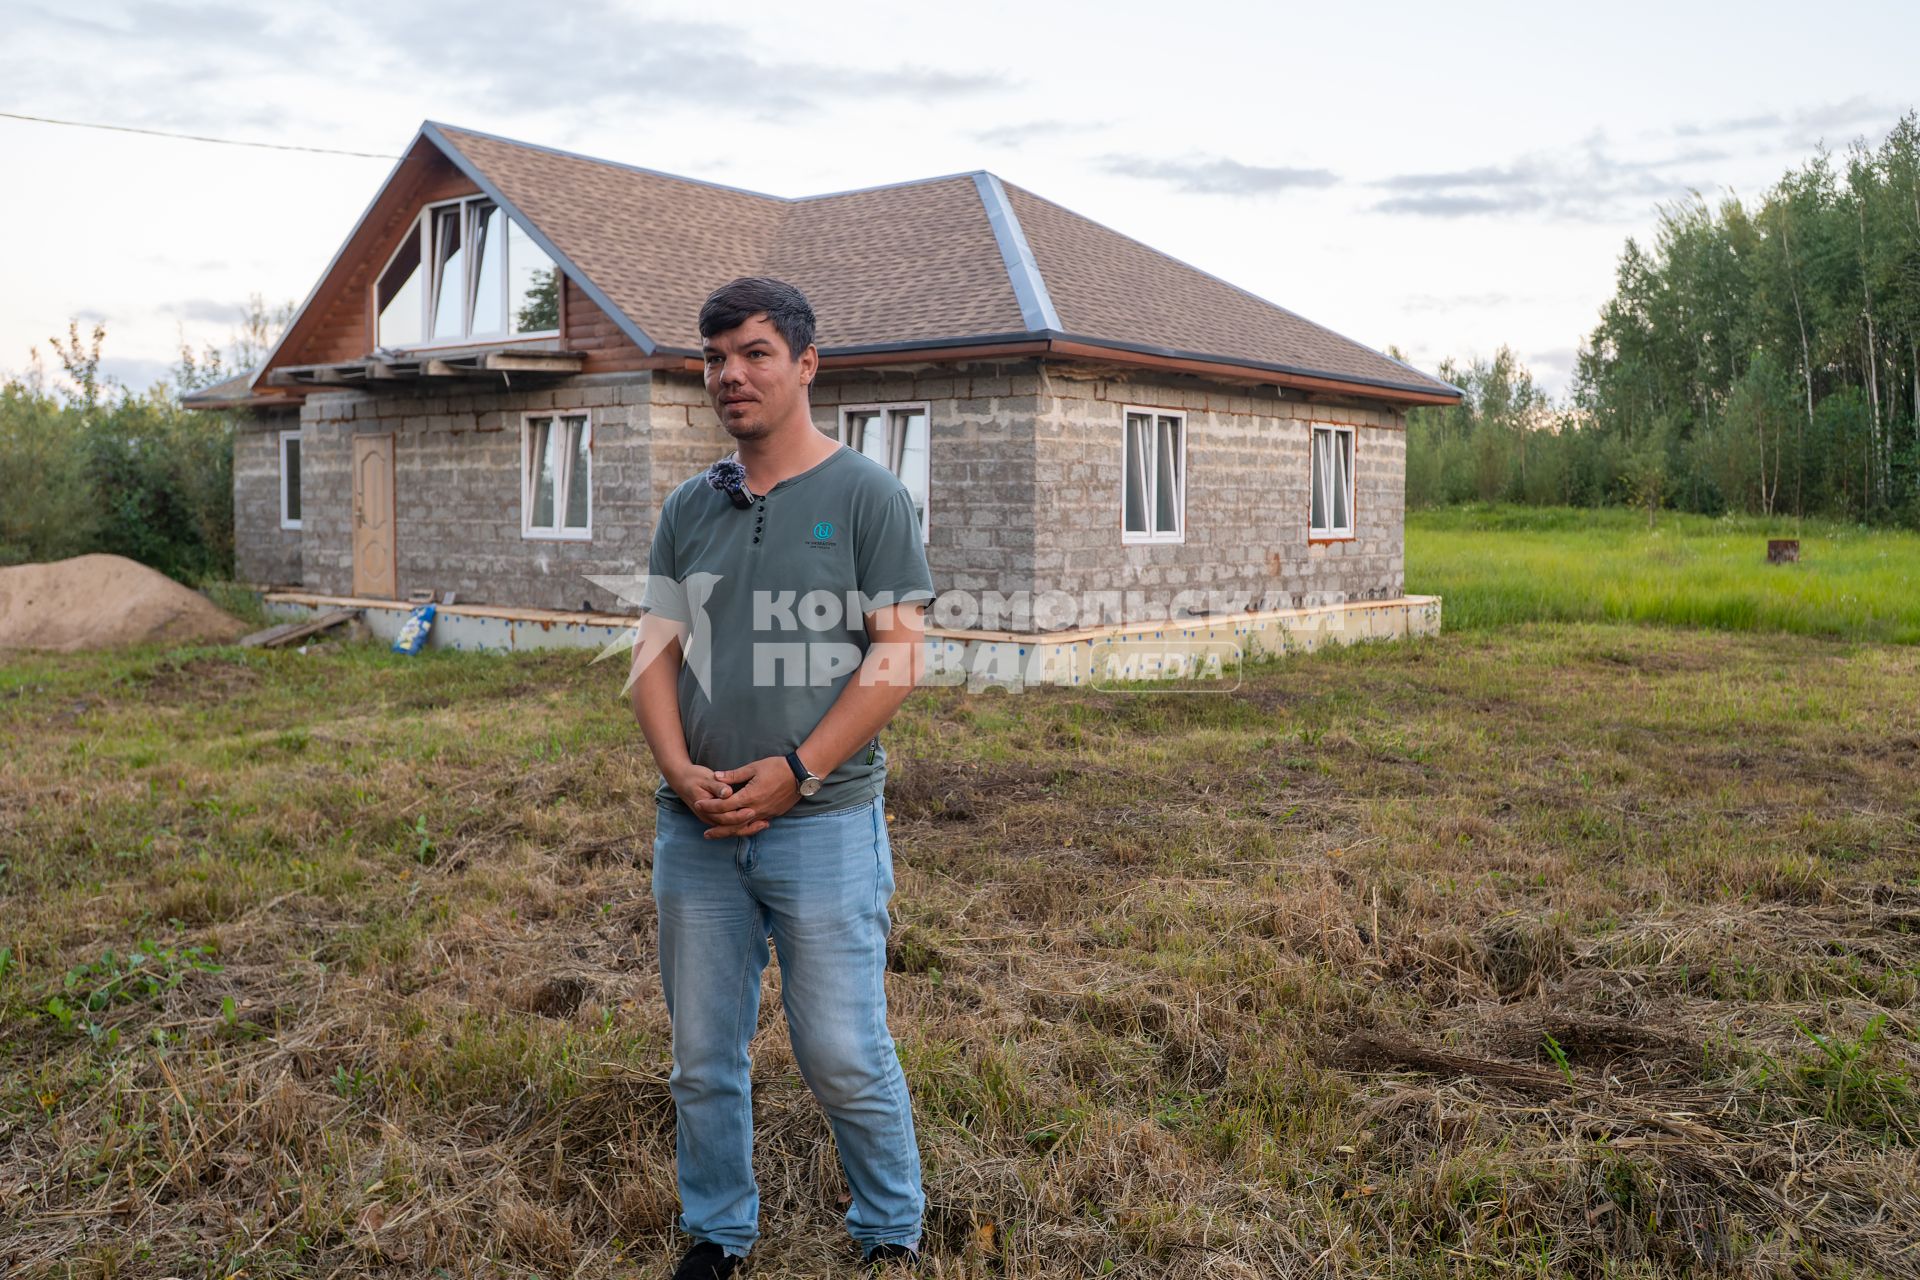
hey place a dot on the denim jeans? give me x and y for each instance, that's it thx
(818, 884)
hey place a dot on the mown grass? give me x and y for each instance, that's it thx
(1565, 950)
(1500, 565)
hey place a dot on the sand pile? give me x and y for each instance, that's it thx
(104, 602)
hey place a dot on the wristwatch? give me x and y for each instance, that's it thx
(809, 784)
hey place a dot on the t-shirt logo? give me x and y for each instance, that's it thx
(823, 530)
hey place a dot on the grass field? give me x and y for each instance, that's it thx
(1559, 950)
(1497, 566)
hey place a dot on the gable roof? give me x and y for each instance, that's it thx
(940, 263)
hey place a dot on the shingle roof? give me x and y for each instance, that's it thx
(1106, 285)
(938, 262)
(233, 393)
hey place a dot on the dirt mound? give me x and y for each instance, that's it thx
(104, 602)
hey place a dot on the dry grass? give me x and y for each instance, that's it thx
(1570, 951)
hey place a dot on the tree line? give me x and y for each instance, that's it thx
(90, 466)
(1759, 359)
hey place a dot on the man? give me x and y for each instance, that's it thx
(763, 706)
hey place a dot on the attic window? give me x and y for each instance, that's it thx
(466, 272)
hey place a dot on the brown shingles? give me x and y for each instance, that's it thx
(907, 263)
(898, 264)
(1105, 285)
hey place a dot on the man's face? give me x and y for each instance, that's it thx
(755, 382)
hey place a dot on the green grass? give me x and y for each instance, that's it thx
(343, 964)
(1497, 566)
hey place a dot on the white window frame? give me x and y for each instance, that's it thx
(421, 231)
(563, 483)
(1332, 533)
(1152, 479)
(285, 521)
(886, 410)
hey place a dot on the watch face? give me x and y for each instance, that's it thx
(810, 786)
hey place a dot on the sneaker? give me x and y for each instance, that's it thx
(884, 1258)
(706, 1261)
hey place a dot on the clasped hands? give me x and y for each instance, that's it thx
(737, 802)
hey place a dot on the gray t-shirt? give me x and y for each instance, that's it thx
(776, 596)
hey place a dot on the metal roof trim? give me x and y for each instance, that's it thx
(1023, 273)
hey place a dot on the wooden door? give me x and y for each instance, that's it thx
(375, 567)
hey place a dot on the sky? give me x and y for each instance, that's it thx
(1445, 181)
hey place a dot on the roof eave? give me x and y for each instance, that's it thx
(262, 401)
(1306, 377)
(1082, 347)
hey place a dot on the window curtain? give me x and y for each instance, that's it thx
(560, 475)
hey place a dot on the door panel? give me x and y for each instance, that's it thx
(375, 571)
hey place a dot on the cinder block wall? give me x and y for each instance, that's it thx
(1247, 494)
(263, 553)
(1025, 493)
(457, 494)
(687, 436)
(981, 532)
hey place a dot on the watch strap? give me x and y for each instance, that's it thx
(800, 771)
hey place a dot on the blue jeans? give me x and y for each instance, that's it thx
(818, 884)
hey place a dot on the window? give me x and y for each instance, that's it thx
(465, 271)
(1154, 505)
(556, 488)
(1332, 483)
(895, 436)
(289, 479)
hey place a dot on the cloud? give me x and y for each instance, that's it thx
(1204, 175)
(1484, 176)
(1461, 301)
(207, 310)
(1558, 359)
(1803, 126)
(1014, 135)
(1736, 124)
(135, 373)
(169, 63)
(1458, 205)
(614, 57)
(195, 66)
(1586, 183)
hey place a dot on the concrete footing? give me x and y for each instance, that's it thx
(1193, 649)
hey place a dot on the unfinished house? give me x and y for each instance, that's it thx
(497, 380)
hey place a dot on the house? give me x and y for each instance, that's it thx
(497, 381)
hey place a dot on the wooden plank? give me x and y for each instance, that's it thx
(530, 362)
(287, 632)
(260, 639)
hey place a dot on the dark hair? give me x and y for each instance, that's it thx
(738, 301)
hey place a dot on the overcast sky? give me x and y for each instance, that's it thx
(1447, 180)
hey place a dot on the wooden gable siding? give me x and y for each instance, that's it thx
(338, 325)
(585, 327)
